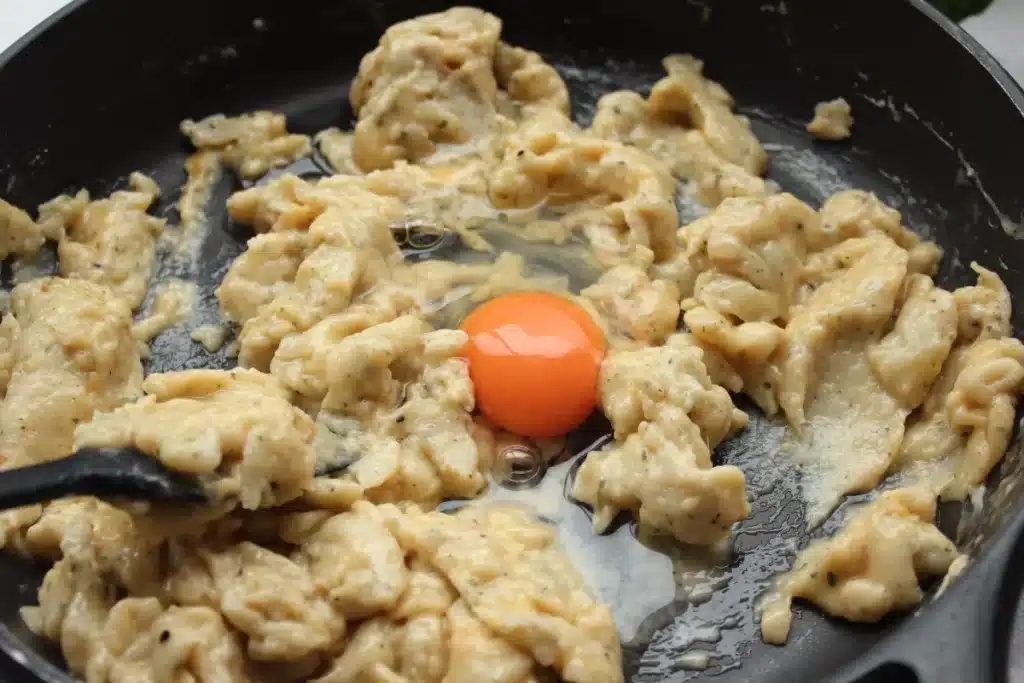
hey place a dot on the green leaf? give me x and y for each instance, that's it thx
(958, 10)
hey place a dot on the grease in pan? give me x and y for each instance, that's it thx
(828, 317)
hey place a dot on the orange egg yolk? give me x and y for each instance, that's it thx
(534, 359)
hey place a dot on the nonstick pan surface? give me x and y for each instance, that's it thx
(99, 91)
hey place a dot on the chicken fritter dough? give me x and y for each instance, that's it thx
(202, 170)
(133, 639)
(336, 146)
(531, 83)
(442, 80)
(623, 199)
(909, 358)
(481, 595)
(792, 304)
(871, 568)
(740, 278)
(326, 282)
(687, 122)
(252, 143)
(667, 416)
(236, 428)
(69, 354)
(74, 355)
(173, 300)
(854, 213)
(19, 235)
(431, 81)
(330, 243)
(832, 120)
(515, 580)
(109, 241)
(398, 398)
(647, 310)
(832, 317)
(267, 265)
(965, 423)
(334, 267)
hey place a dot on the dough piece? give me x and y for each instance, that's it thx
(848, 428)
(399, 400)
(832, 120)
(964, 425)
(688, 123)
(109, 241)
(404, 289)
(518, 584)
(251, 143)
(326, 282)
(202, 171)
(646, 310)
(667, 416)
(234, 428)
(73, 355)
(174, 301)
(909, 358)
(528, 81)
(622, 198)
(429, 82)
(740, 278)
(856, 296)
(871, 568)
(19, 235)
(854, 213)
(442, 86)
(259, 273)
(134, 639)
(336, 146)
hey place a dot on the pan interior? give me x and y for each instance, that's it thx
(699, 624)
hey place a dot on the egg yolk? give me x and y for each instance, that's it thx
(534, 359)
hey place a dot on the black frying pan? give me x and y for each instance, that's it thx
(99, 91)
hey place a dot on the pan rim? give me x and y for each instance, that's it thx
(1009, 85)
(14, 49)
(34, 663)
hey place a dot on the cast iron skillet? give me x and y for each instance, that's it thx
(99, 90)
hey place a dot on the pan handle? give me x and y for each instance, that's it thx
(964, 636)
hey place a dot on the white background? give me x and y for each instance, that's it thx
(999, 30)
(18, 16)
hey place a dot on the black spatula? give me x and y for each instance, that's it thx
(102, 472)
(125, 473)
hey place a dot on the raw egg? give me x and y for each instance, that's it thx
(534, 359)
